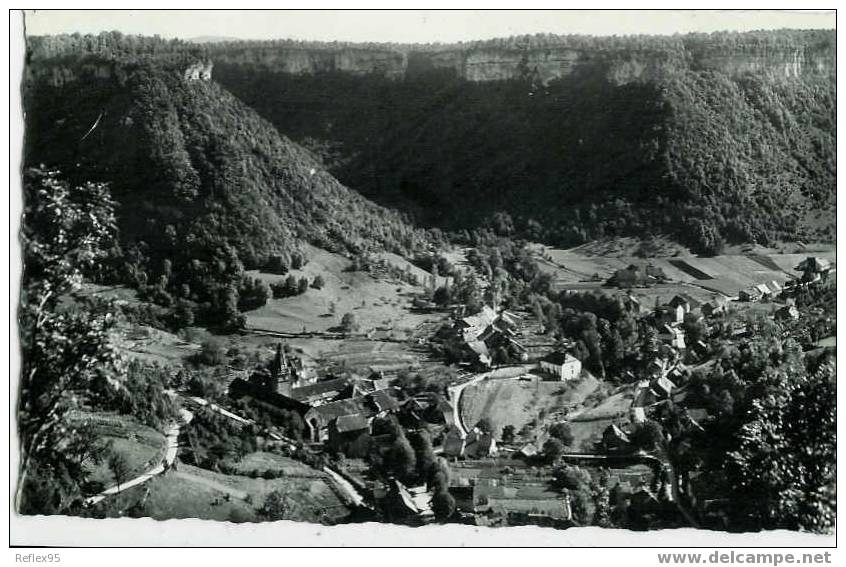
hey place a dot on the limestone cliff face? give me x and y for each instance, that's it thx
(301, 61)
(58, 75)
(782, 63)
(544, 64)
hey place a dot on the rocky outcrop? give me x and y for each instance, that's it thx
(201, 71)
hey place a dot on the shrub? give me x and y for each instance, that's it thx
(212, 353)
(349, 323)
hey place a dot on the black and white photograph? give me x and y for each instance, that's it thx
(474, 270)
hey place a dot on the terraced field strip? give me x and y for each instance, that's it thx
(688, 269)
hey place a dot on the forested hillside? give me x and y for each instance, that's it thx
(204, 187)
(711, 139)
(706, 138)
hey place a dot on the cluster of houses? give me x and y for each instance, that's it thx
(506, 492)
(760, 292)
(476, 444)
(334, 410)
(481, 335)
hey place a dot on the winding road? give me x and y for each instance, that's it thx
(171, 449)
(352, 495)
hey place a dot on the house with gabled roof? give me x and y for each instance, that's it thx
(680, 301)
(763, 290)
(663, 387)
(345, 429)
(669, 314)
(322, 392)
(561, 366)
(407, 504)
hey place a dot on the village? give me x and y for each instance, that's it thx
(515, 429)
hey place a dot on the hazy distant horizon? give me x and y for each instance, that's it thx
(412, 26)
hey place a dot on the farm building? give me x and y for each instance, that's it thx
(561, 366)
(528, 450)
(763, 290)
(814, 265)
(637, 276)
(787, 313)
(749, 294)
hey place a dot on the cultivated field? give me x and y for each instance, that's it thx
(388, 331)
(192, 492)
(699, 277)
(143, 447)
(378, 304)
(285, 466)
(599, 411)
(523, 402)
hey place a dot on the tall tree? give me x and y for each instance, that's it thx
(65, 234)
(784, 470)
